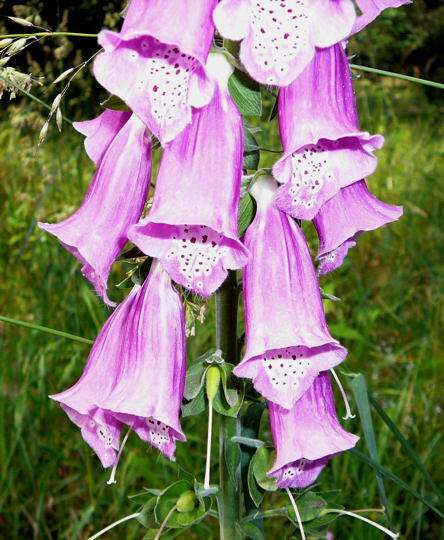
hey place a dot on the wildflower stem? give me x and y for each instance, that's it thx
(46, 329)
(348, 413)
(369, 521)
(112, 478)
(398, 76)
(45, 34)
(164, 522)
(296, 511)
(109, 527)
(209, 436)
(228, 498)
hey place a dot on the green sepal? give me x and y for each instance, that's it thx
(246, 93)
(196, 406)
(221, 405)
(169, 499)
(231, 386)
(146, 516)
(310, 507)
(261, 463)
(115, 104)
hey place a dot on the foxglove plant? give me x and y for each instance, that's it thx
(192, 225)
(324, 150)
(307, 436)
(156, 67)
(192, 101)
(135, 372)
(287, 340)
(120, 145)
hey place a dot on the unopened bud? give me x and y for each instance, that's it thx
(17, 46)
(5, 42)
(63, 75)
(43, 133)
(187, 502)
(4, 61)
(212, 382)
(18, 20)
(56, 103)
(59, 119)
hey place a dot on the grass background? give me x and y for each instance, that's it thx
(390, 318)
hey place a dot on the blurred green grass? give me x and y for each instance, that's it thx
(390, 318)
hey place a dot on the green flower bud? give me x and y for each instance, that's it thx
(187, 502)
(212, 382)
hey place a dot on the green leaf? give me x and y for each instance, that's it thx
(147, 517)
(255, 491)
(310, 506)
(247, 211)
(115, 104)
(196, 405)
(247, 441)
(261, 463)
(246, 93)
(406, 445)
(251, 531)
(343, 331)
(396, 479)
(360, 391)
(251, 151)
(232, 453)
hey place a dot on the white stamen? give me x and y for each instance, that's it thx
(112, 478)
(369, 521)
(296, 511)
(209, 435)
(344, 397)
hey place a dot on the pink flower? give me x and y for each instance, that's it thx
(156, 62)
(135, 372)
(96, 233)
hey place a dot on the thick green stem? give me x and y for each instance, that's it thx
(226, 340)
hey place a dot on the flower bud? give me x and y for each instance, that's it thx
(63, 75)
(56, 103)
(18, 20)
(17, 46)
(212, 382)
(5, 42)
(187, 502)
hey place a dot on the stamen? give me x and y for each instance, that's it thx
(209, 435)
(369, 521)
(112, 478)
(296, 511)
(344, 397)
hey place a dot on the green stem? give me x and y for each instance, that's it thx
(398, 76)
(45, 34)
(226, 340)
(46, 329)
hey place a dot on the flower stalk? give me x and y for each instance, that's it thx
(226, 340)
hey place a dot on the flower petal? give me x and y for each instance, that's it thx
(152, 62)
(344, 217)
(100, 132)
(287, 339)
(332, 21)
(97, 231)
(370, 9)
(192, 225)
(135, 372)
(307, 436)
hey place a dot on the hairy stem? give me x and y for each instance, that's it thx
(226, 340)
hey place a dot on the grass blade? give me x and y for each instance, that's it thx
(359, 388)
(398, 76)
(396, 479)
(406, 445)
(46, 329)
